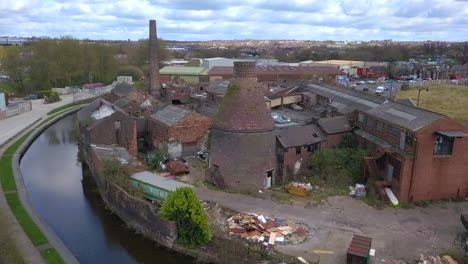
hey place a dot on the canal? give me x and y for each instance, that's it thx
(53, 178)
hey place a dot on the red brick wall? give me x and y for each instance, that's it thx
(437, 177)
(105, 133)
(191, 128)
(332, 140)
(290, 159)
(159, 132)
(165, 78)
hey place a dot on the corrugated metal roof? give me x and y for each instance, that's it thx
(159, 181)
(382, 143)
(405, 116)
(279, 70)
(170, 114)
(195, 71)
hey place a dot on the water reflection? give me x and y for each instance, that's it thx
(74, 210)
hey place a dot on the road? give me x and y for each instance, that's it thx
(11, 126)
(396, 233)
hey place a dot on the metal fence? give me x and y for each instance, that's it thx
(16, 109)
(433, 82)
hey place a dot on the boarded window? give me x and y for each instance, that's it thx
(393, 131)
(380, 126)
(443, 145)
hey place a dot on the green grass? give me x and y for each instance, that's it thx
(7, 87)
(26, 222)
(282, 199)
(450, 100)
(51, 256)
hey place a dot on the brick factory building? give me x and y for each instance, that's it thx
(275, 73)
(243, 149)
(183, 132)
(104, 123)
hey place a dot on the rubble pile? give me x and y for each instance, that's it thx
(430, 260)
(262, 229)
(306, 186)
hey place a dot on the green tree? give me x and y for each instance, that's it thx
(183, 207)
(17, 67)
(114, 171)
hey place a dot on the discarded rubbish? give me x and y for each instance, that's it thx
(298, 188)
(302, 260)
(263, 229)
(359, 190)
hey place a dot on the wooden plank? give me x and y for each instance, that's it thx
(272, 239)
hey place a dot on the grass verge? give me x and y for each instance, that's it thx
(63, 107)
(7, 180)
(51, 256)
(450, 100)
(26, 222)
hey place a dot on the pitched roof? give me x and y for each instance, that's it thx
(218, 87)
(184, 70)
(170, 115)
(333, 125)
(279, 70)
(295, 136)
(405, 116)
(123, 89)
(98, 110)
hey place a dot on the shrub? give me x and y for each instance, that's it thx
(336, 166)
(405, 86)
(154, 158)
(116, 172)
(52, 96)
(183, 207)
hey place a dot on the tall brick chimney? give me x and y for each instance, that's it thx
(153, 60)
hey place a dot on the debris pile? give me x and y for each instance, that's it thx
(262, 229)
(298, 188)
(357, 191)
(430, 260)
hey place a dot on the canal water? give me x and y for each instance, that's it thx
(74, 210)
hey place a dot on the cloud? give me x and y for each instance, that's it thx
(238, 19)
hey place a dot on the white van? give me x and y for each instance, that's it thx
(379, 90)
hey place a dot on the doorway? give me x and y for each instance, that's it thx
(269, 178)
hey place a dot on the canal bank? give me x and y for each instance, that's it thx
(53, 180)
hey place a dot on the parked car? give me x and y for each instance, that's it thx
(31, 97)
(365, 89)
(280, 119)
(371, 82)
(379, 90)
(361, 82)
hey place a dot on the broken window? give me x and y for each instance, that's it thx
(393, 131)
(380, 126)
(371, 122)
(312, 148)
(360, 117)
(298, 150)
(443, 145)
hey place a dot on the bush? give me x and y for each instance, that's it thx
(405, 86)
(336, 166)
(154, 158)
(130, 70)
(183, 207)
(116, 172)
(52, 96)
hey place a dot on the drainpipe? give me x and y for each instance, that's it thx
(412, 169)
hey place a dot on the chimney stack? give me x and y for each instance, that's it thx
(153, 60)
(244, 69)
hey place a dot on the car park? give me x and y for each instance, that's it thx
(379, 90)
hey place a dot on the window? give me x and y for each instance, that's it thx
(117, 124)
(371, 122)
(182, 91)
(360, 117)
(443, 145)
(298, 150)
(312, 148)
(393, 131)
(409, 138)
(380, 126)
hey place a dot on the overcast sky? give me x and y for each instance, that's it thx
(238, 19)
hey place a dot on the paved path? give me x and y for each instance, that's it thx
(11, 126)
(18, 126)
(396, 233)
